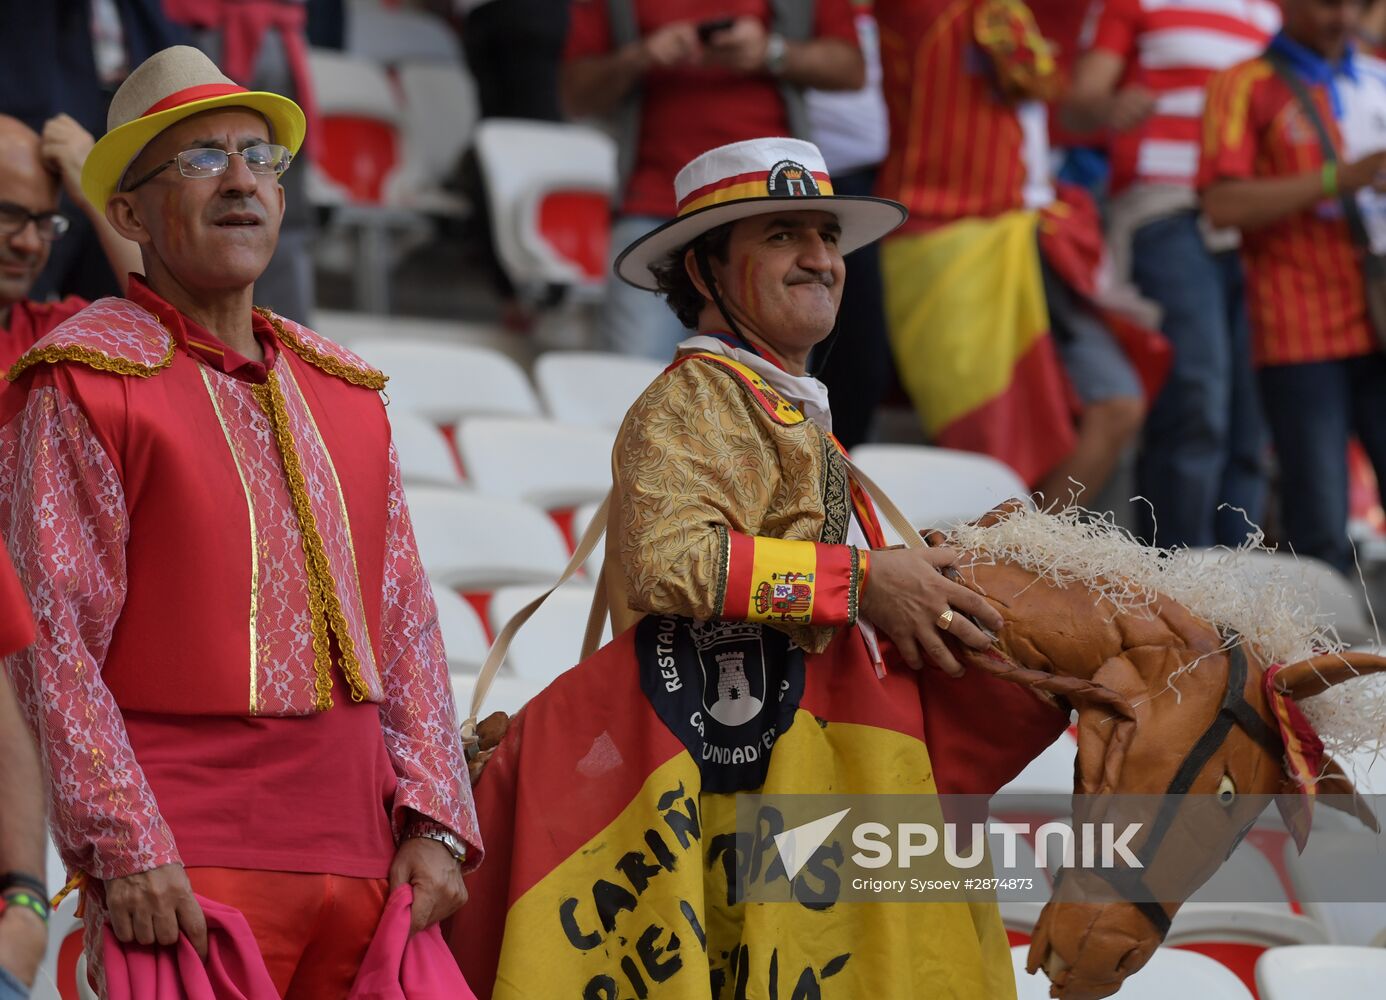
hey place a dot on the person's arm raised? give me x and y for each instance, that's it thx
(64, 146)
(1094, 101)
(592, 86)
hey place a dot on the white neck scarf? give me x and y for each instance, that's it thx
(804, 391)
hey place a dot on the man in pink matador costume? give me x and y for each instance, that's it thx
(239, 683)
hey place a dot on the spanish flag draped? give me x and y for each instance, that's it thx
(614, 865)
(970, 330)
(969, 325)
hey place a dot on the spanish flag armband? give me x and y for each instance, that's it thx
(807, 583)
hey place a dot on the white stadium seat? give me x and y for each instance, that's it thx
(548, 185)
(1339, 865)
(440, 112)
(1311, 972)
(464, 635)
(349, 327)
(1051, 773)
(937, 487)
(1171, 974)
(592, 388)
(551, 641)
(353, 94)
(1236, 932)
(480, 543)
(548, 464)
(1339, 600)
(425, 457)
(445, 383)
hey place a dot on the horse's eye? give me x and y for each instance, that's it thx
(1227, 790)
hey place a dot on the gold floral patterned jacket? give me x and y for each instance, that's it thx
(729, 503)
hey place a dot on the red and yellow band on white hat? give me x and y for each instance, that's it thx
(755, 177)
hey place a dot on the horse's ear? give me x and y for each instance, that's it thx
(1316, 675)
(1342, 795)
(1106, 724)
(1106, 712)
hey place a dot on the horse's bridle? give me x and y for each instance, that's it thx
(1234, 711)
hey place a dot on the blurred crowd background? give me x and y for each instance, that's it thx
(478, 163)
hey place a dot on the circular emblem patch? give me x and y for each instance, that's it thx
(791, 180)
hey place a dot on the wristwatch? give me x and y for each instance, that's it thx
(775, 49)
(430, 830)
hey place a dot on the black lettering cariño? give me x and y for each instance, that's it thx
(567, 916)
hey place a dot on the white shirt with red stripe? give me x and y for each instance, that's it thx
(1172, 47)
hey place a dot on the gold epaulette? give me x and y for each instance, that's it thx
(322, 353)
(110, 335)
(779, 408)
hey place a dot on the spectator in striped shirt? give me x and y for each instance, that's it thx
(1321, 371)
(1142, 79)
(1060, 408)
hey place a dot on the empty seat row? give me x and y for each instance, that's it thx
(449, 382)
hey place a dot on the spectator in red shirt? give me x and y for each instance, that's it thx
(1142, 80)
(32, 170)
(1263, 171)
(683, 76)
(955, 76)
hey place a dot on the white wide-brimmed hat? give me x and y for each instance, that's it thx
(171, 85)
(755, 177)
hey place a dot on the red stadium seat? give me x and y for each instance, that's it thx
(359, 154)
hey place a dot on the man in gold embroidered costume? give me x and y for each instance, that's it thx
(764, 635)
(727, 476)
(239, 684)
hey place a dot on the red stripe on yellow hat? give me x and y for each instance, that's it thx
(187, 95)
(735, 188)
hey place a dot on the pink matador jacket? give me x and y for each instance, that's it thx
(162, 514)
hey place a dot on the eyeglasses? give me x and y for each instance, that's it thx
(207, 161)
(13, 219)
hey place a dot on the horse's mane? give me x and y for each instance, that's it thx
(1279, 615)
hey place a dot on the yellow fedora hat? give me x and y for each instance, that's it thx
(164, 89)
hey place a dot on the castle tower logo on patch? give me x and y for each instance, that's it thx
(791, 180)
(726, 689)
(733, 663)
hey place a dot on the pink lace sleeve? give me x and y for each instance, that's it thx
(418, 715)
(62, 509)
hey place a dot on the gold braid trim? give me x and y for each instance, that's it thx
(324, 607)
(90, 357)
(364, 377)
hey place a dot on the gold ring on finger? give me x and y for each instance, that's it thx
(945, 620)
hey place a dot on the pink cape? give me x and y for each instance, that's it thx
(398, 965)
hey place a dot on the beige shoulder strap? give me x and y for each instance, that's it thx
(596, 618)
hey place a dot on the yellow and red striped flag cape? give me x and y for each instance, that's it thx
(970, 331)
(610, 864)
(969, 325)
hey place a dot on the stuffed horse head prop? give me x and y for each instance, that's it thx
(1175, 705)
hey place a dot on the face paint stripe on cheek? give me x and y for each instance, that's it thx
(750, 273)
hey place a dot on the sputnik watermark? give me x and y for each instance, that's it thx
(1090, 845)
(817, 850)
